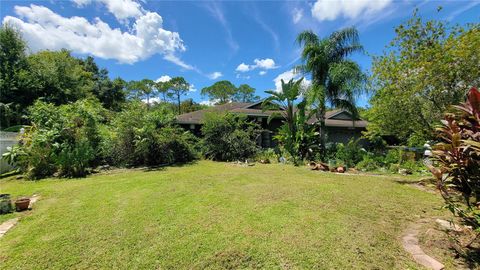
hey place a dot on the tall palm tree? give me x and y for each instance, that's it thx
(335, 79)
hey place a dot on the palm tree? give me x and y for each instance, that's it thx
(335, 79)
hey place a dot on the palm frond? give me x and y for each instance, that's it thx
(307, 37)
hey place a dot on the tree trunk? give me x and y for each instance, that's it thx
(178, 102)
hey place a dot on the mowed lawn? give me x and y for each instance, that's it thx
(215, 216)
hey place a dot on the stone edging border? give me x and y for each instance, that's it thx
(410, 244)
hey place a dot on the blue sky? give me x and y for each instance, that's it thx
(205, 41)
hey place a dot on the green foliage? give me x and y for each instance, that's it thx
(51, 76)
(189, 105)
(178, 87)
(74, 159)
(335, 79)
(368, 163)
(110, 93)
(62, 139)
(393, 156)
(268, 154)
(143, 89)
(229, 137)
(245, 93)
(351, 153)
(428, 66)
(14, 86)
(59, 78)
(457, 158)
(140, 136)
(296, 135)
(221, 91)
(224, 91)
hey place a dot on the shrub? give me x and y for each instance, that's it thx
(267, 154)
(457, 157)
(330, 152)
(351, 153)
(140, 136)
(73, 160)
(62, 139)
(392, 157)
(228, 137)
(69, 139)
(368, 163)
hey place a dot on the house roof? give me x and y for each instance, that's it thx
(334, 118)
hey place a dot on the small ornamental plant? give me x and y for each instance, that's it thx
(456, 160)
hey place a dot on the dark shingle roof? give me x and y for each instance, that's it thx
(196, 117)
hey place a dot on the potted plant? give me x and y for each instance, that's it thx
(22, 203)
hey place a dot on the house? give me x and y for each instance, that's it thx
(339, 123)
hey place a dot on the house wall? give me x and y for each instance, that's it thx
(265, 140)
(343, 134)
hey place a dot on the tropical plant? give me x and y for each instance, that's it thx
(229, 137)
(335, 79)
(295, 135)
(457, 160)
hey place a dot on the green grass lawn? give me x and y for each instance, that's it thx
(216, 216)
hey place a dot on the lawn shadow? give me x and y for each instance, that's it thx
(472, 257)
(162, 167)
(425, 184)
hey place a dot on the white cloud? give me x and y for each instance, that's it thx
(152, 100)
(192, 88)
(287, 76)
(327, 10)
(263, 72)
(215, 75)
(243, 67)
(264, 64)
(44, 29)
(121, 9)
(164, 78)
(209, 102)
(177, 61)
(297, 14)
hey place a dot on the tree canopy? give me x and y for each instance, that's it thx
(225, 91)
(52, 76)
(177, 87)
(428, 66)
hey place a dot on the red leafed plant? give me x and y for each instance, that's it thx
(457, 160)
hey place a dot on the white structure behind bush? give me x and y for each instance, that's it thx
(7, 139)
